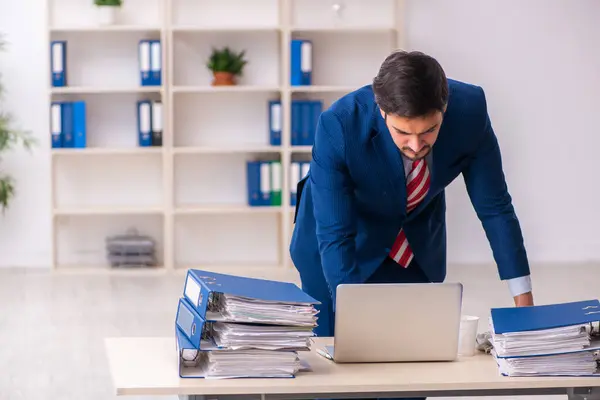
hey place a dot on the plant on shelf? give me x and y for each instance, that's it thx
(225, 65)
(10, 137)
(107, 10)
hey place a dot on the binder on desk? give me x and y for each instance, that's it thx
(58, 63)
(275, 122)
(522, 319)
(144, 63)
(79, 124)
(210, 292)
(157, 124)
(218, 364)
(56, 125)
(155, 63)
(301, 62)
(193, 326)
(144, 123)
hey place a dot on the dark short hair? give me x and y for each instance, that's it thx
(410, 84)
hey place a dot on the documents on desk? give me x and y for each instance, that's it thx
(237, 327)
(553, 340)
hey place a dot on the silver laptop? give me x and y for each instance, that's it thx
(396, 322)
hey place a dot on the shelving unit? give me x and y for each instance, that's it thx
(190, 194)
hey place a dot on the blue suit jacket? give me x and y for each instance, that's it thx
(353, 201)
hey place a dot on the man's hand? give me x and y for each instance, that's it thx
(523, 300)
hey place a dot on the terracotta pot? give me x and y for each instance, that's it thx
(223, 79)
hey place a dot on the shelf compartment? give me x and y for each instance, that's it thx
(108, 182)
(192, 50)
(213, 179)
(217, 15)
(105, 61)
(80, 239)
(111, 121)
(345, 60)
(227, 239)
(222, 119)
(352, 14)
(77, 14)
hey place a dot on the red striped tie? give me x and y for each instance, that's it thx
(417, 185)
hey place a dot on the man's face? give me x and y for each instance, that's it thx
(414, 136)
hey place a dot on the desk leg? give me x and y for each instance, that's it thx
(584, 394)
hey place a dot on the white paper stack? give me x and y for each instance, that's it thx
(237, 336)
(239, 309)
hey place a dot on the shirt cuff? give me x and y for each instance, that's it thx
(519, 285)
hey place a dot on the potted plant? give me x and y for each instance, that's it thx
(9, 138)
(226, 65)
(107, 10)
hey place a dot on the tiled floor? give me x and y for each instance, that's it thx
(52, 325)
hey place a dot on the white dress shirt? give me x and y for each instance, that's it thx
(516, 286)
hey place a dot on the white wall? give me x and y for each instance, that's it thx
(535, 58)
(25, 230)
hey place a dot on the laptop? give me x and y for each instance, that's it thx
(386, 322)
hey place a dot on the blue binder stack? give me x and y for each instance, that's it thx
(234, 327)
(150, 62)
(548, 340)
(68, 126)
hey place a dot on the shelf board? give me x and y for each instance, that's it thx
(343, 29)
(210, 29)
(226, 150)
(105, 90)
(226, 209)
(116, 210)
(108, 28)
(225, 89)
(300, 149)
(90, 151)
(323, 89)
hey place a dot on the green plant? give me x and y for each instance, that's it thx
(113, 3)
(226, 60)
(10, 137)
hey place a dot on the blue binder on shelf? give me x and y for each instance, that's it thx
(296, 123)
(202, 288)
(155, 63)
(521, 319)
(67, 125)
(79, 124)
(56, 125)
(301, 62)
(58, 63)
(258, 175)
(316, 108)
(144, 123)
(144, 59)
(295, 169)
(275, 122)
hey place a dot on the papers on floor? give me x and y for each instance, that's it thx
(557, 339)
(242, 329)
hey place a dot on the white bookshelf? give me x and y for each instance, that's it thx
(190, 194)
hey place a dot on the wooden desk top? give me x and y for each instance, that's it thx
(148, 367)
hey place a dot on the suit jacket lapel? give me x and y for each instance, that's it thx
(391, 159)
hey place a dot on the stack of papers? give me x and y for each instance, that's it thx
(237, 327)
(546, 340)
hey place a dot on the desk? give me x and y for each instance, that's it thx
(148, 367)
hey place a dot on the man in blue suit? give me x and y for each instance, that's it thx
(372, 208)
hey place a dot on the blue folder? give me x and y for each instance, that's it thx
(521, 319)
(201, 286)
(193, 326)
